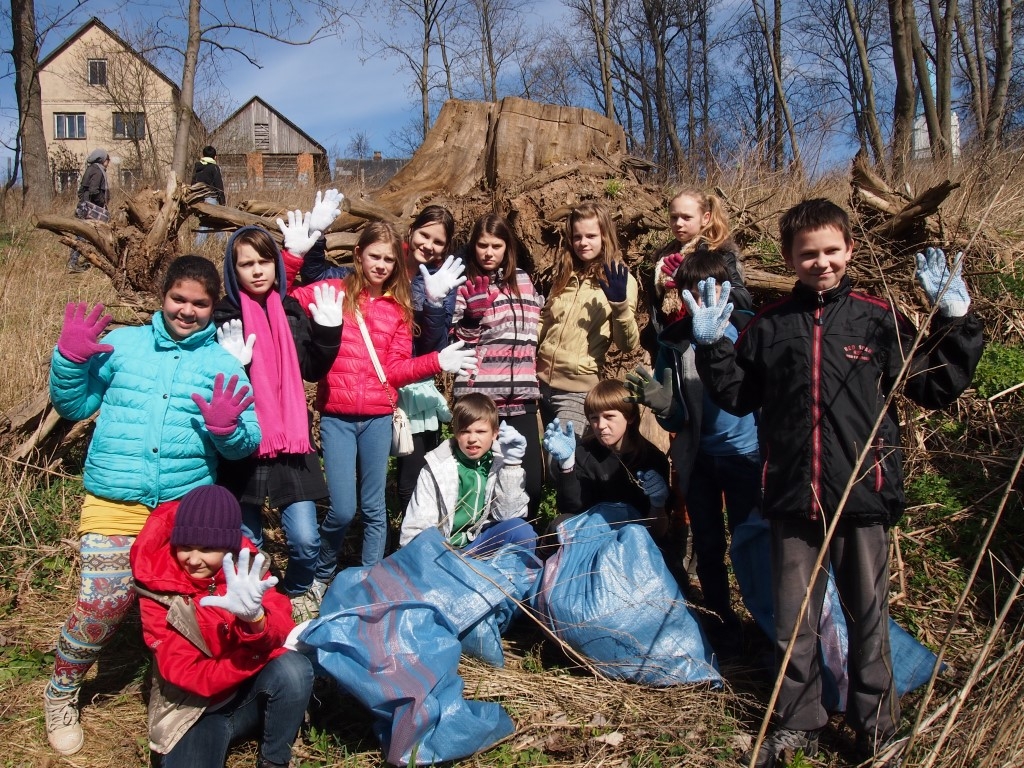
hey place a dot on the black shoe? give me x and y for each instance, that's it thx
(784, 740)
(867, 746)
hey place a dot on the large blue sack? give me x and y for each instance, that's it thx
(608, 594)
(389, 635)
(912, 663)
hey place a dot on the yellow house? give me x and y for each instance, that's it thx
(98, 92)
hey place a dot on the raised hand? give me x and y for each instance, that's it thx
(479, 295)
(245, 588)
(669, 265)
(933, 274)
(232, 338)
(80, 332)
(654, 487)
(455, 359)
(326, 208)
(326, 309)
(297, 237)
(561, 444)
(646, 390)
(711, 316)
(225, 406)
(512, 444)
(616, 278)
(444, 280)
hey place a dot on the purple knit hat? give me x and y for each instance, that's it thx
(208, 516)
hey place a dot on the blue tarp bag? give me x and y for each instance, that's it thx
(607, 593)
(389, 635)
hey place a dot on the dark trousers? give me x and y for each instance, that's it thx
(528, 426)
(409, 467)
(273, 703)
(859, 557)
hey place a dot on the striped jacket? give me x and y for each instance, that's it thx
(506, 347)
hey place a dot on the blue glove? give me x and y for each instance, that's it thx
(616, 277)
(512, 444)
(654, 486)
(933, 275)
(561, 444)
(711, 316)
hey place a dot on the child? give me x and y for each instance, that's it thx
(496, 313)
(592, 305)
(356, 406)
(820, 365)
(473, 493)
(714, 453)
(613, 463)
(165, 414)
(289, 347)
(697, 220)
(216, 628)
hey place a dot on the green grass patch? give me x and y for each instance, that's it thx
(1000, 368)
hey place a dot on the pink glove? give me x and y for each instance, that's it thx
(479, 296)
(669, 265)
(78, 336)
(222, 412)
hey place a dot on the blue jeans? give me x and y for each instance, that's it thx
(496, 535)
(346, 439)
(738, 477)
(273, 701)
(298, 521)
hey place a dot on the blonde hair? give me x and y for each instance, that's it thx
(568, 264)
(716, 231)
(397, 283)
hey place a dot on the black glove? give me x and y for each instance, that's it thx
(614, 285)
(646, 390)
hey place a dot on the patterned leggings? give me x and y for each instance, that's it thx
(105, 597)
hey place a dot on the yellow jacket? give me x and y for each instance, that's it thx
(576, 328)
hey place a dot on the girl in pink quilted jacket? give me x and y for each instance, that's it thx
(356, 406)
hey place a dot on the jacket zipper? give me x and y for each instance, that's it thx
(819, 312)
(879, 472)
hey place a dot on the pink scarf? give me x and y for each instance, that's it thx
(276, 380)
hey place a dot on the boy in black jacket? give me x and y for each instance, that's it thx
(820, 364)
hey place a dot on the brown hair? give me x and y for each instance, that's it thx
(610, 395)
(496, 226)
(397, 283)
(193, 267)
(566, 263)
(476, 406)
(816, 213)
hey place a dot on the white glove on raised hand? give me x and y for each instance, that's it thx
(512, 444)
(326, 306)
(711, 316)
(232, 338)
(244, 596)
(654, 487)
(933, 274)
(455, 359)
(326, 208)
(446, 279)
(297, 237)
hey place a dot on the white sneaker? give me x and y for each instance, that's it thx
(62, 727)
(317, 591)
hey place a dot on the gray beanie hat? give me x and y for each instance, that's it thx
(97, 156)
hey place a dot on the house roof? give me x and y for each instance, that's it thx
(280, 116)
(94, 22)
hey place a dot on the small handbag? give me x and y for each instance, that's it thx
(401, 432)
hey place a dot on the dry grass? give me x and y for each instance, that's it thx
(564, 715)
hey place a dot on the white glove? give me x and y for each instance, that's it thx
(244, 597)
(446, 279)
(512, 444)
(455, 359)
(297, 237)
(231, 337)
(326, 209)
(326, 306)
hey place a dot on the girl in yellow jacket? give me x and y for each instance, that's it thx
(592, 305)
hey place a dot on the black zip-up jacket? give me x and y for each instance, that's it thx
(819, 366)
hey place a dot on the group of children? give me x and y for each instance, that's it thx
(185, 402)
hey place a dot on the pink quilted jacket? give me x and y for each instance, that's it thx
(352, 388)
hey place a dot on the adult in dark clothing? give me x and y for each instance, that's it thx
(93, 196)
(207, 172)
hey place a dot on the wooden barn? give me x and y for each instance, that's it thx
(258, 148)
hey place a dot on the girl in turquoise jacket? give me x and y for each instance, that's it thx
(170, 399)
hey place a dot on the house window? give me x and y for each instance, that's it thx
(69, 125)
(130, 178)
(261, 136)
(129, 125)
(97, 72)
(65, 181)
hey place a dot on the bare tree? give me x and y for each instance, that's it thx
(359, 146)
(981, 41)
(30, 141)
(771, 29)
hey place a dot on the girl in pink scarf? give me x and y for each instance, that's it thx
(271, 334)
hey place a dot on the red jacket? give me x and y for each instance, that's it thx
(352, 388)
(235, 655)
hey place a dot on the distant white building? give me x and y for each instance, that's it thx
(921, 146)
